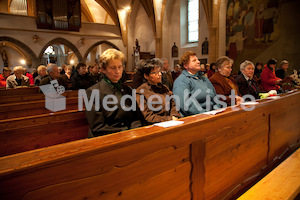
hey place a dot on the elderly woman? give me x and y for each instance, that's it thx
(119, 115)
(154, 91)
(245, 81)
(17, 79)
(194, 91)
(224, 83)
(42, 71)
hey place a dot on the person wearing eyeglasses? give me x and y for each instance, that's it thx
(153, 96)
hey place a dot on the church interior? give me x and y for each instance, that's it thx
(230, 154)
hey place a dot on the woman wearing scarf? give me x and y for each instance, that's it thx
(153, 96)
(111, 116)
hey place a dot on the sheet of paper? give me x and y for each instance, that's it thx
(169, 123)
(273, 97)
(249, 103)
(213, 112)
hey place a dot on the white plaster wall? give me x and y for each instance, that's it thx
(14, 58)
(176, 25)
(143, 31)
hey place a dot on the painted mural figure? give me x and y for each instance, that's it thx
(249, 25)
(269, 15)
(259, 22)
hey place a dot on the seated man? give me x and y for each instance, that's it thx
(245, 81)
(167, 78)
(81, 79)
(280, 72)
(17, 79)
(196, 93)
(52, 70)
(107, 115)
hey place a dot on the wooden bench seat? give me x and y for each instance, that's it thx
(32, 132)
(282, 183)
(206, 157)
(19, 91)
(30, 108)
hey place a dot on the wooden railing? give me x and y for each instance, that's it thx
(206, 157)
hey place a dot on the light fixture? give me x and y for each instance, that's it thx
(81, 41)
(35, 38)
(71, 62)
(127, 8)
(23, 62)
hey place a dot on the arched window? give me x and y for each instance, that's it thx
(18, 7)
(193, 21)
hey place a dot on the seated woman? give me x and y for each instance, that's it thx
(268, 79)
(68, 72)
(224, 82)
(94, 71)
(245, 81)
(42, 71)
(111, 118)
(81, 79)
(194, 91)
(154, 91)
(17, 79)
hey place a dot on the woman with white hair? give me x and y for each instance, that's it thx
(42, 71)
(245, 81)
(17, 79)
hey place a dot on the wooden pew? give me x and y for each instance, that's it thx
(19, 91)
(282, 183)
(206, 157)
(28, 133)
(32, 97)
(30, 108)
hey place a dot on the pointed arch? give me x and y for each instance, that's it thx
(18, 44)
(99, 43)
(60, 40)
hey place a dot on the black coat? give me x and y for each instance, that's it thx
(103, 121)
(246, 88)
(81, 82)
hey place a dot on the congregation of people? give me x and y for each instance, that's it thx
(161, 94)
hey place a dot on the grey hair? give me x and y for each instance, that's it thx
(244, 64)
(284, 62)
(164, 59)
(222, 60)
(50, 68)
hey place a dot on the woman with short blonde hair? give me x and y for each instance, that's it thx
(105, 121)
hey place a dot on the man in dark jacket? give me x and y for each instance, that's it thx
(81, 79)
